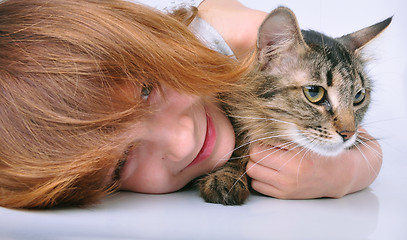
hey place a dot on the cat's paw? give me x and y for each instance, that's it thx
(224, 187)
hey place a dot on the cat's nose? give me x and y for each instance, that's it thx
(346, 135)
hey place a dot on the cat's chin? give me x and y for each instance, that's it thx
(328, 151)
(325, 148)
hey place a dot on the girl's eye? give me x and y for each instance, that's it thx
(145, 92)
(359, 97)
(119, 167)
(314, 94)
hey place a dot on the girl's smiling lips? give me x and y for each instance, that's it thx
(209, 143)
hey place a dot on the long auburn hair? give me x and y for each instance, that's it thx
(63, 68)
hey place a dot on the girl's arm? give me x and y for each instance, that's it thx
(296, 174)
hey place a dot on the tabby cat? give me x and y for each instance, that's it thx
(309, 89)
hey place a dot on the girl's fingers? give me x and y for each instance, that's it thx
(261, 173)
(265, 188)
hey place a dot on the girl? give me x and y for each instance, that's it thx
(98, 96)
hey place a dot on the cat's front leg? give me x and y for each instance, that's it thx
(228, 185)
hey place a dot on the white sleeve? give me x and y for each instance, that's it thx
(168, 5)
(209, 36)
(202, 29)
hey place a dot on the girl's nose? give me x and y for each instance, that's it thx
(179, 139)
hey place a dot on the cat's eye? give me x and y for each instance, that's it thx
(314, 94)
(359, 97)
(145, 92)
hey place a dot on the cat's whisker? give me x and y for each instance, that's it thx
(241, 176)
(265, 150)
(360, 131)
(295, 155)
(383, 120)
(246, 117)
(273, 133)
(367, 161)
(259, 118)
(261, 139)
(370, 148)
(309, 149)
(243, 145)
(383, 141)
(365, 139)
(284, 145)
(278, 148)
(259, 133)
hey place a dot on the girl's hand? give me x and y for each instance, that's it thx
(296, 173)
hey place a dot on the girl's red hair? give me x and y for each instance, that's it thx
(66, 68)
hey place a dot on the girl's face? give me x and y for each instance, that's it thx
(184, 137)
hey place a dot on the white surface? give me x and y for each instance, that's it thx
(379, 212)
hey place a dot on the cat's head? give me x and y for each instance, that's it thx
(316, 86)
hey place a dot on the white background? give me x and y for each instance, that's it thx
(379, 212)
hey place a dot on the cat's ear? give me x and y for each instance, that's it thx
(357, 40)
(279, 33)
